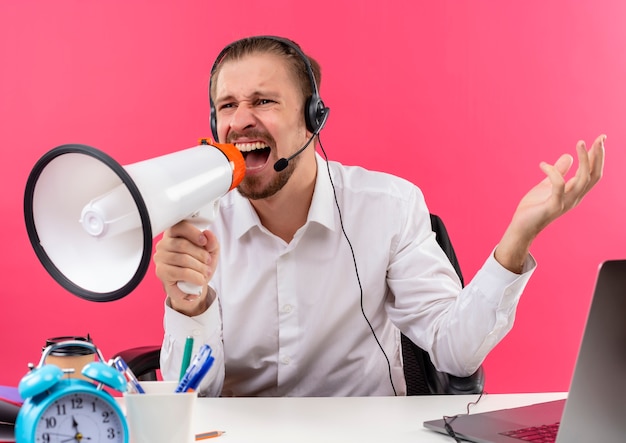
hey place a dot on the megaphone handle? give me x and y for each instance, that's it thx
(189, 288)
(201, 219)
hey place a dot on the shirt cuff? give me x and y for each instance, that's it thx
(500, 287)
(504, 275)
(202, 327)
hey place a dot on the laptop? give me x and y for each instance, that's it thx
(595, 408)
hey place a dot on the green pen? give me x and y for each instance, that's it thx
(186, 357)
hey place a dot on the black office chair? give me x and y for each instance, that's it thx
(144, 361)
(421, 376)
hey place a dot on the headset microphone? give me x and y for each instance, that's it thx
(282, 163)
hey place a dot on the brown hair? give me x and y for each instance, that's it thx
(288, 49)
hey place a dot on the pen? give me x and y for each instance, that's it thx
(198, 368)
(186, 357)
(207, 435)
(131, 381)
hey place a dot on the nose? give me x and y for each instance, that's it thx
(242, 118)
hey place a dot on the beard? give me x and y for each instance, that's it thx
(251, 187)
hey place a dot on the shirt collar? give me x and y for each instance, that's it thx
(322, 210)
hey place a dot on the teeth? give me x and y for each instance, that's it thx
(247, 147)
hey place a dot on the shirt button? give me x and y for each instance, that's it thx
(287, 308)
(286, 360)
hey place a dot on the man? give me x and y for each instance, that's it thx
(311, 293)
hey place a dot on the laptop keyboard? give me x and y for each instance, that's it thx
(537, 434)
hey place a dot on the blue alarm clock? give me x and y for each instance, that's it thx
(61, 409)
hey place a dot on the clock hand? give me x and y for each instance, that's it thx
(71, 437)
(78, 437)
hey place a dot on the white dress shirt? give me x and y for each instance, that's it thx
(288, 321)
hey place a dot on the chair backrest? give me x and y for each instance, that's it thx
(144, 361)
(421, 376)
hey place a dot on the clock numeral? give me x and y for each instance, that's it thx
(45, 437)
(111, 433)
(61, 409)
(77, 403)
(105, 417)
(51, 422)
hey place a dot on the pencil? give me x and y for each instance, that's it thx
(207, 435)
(186, 357)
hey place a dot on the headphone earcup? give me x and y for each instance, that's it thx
(314, 114)
(213, 120)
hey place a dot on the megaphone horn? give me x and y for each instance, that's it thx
(92, 221)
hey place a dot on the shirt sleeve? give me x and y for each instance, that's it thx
(457, 326)
(459, 331)
(205, 329)
(487, 308)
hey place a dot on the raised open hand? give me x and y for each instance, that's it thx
(549, 199)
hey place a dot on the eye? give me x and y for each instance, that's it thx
(265, 101)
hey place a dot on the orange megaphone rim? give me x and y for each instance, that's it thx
(234, 155)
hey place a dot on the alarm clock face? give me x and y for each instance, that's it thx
(81, 416)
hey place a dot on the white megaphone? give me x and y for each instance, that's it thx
(92, 221)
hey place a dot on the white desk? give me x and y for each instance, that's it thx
(362, 419)
(329, 420)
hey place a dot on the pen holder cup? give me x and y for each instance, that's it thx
(160, 415)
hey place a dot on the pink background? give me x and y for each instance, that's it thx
(464, 98)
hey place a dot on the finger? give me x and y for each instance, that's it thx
(172, 267)
(589, 171)
(578, 184)
(213, 249)
(212, 245)
(193, 257)
(564, 164)
(599, 141)
(168, 248)
(556, 179)
(597, 158)
(187, 230)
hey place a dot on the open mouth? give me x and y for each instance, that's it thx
(255, 154)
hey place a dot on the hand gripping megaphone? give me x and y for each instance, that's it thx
(92, 221)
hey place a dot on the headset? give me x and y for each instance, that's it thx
(315, 112)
